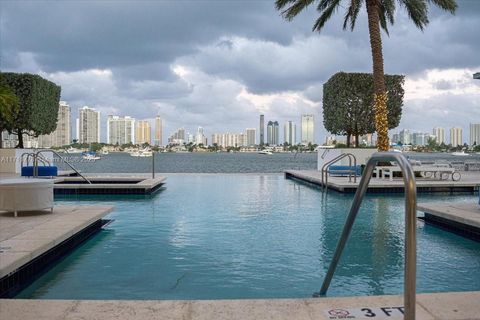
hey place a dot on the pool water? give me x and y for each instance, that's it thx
(253, 236)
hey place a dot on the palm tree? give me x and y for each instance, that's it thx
(380, 13)
(9, 104)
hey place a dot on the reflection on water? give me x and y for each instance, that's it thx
(253, 236)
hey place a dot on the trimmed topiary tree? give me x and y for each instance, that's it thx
(39, 99)
(348, 99)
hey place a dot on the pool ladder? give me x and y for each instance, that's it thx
(410, 226)
(36, 157)
(351, 172)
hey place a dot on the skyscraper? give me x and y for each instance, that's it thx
(120, 130)
(308, 129)
(419, 138)
(200, 138)
(230, 139)
(262, 129)
(158, 131)
(474, 134)
(88, 125)
(251, 134)
(272, 133)
(143, 132)
(61, 136)
(289, 133)
(439, 134)
(405, 136)
(456, 137)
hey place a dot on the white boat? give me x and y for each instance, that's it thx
(90, 156)
(460, 154)
(265, 152)
(142, 153)
(73, 150)
(104, 152)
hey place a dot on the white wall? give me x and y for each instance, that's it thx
(362, 155)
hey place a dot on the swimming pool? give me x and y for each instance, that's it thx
(253, 236)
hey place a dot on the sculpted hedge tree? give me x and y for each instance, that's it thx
(348, 100)
(38, 107)
(9, 106)
(380, 13)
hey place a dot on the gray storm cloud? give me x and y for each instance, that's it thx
(121, 57)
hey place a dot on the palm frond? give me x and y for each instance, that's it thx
(294, 9)
(352, 14)
(417, 11)
(280, 4)
(389, 7)
(386, 14)
(326, 13)
(383, 21)
(447, 5)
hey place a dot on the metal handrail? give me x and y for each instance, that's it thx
(410, 226)
(35, 166)
(26, 157)
(335, 160)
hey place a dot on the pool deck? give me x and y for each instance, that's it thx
(461, 218)
(469, 182)
(31, 235)
(451, 306)
(123, 185)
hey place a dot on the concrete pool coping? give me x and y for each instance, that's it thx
(26, 237)
(461, 218)
(469, 183)
(436, 306)
(122, 185)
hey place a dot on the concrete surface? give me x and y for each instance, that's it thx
(469, 180)
(465, 213)
(32, 233)
(451, 306)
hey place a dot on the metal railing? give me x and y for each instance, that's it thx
(327, 165)
(37, 157)
(26, 157)
(410, 226)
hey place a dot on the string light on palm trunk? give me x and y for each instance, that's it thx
(381, 121)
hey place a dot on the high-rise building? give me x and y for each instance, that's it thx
(143, 132)
(88, 125)
(420, 138)
(61, 136)
(308, 129)
(250, 137)
(229, 139)
(200, 138)
(120, 130)
(395, 138)
(262, 129)
(405, 136)
(158, 131)
(273, 133)
(474, 134)
(289, 133)
(178, 137)
(456, 137)
(439, 134)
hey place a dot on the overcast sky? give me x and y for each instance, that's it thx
(220, 64)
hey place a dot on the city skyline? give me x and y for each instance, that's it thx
(241, 68)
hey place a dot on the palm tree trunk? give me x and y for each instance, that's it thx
(380, 95)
